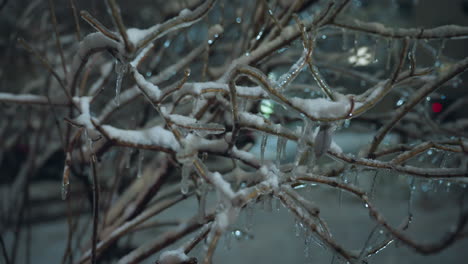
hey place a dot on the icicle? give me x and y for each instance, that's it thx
(302, 145)
(389, 56)
(141, 156)
(65, 188)
(227, 240)
(120, 69)
(412, 188)
(283, 151)
(412, 55)
(263, 146)
(439, 52)
(323, 140)
(128, 157)
(355, 43)
(66, 178)
(202, 191)
(297, 228)
(307, 245)
(267, 203)
(373, 185)
(89, 145)
(345, 40)
(374, 52)
(280, 146)
(249, 210)
(278, 204)
(184, 183)
(356, 177)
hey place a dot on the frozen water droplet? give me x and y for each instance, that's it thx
(238, 20)
(366, 205)
(237, 234)
(299, 186)
(347, 123)
(260, 34)
(400, 102)
(426, 186)
(448, 186)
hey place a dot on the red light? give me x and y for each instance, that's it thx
(437, 107)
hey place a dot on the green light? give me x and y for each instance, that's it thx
(266, 107)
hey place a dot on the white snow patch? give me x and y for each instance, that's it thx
(154, 136)
(323, 108)
(173, 257)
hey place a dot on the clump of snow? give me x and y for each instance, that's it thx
(323, 108)
(135, 35)
(185, 12)
(154, 136)
(173, 257)
(91, 42)
(226, 217)
(149, 88)
(215, 30)
(221, 185)
(182, 120)
(253, 120)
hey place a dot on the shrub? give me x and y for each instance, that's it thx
(147, 106)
